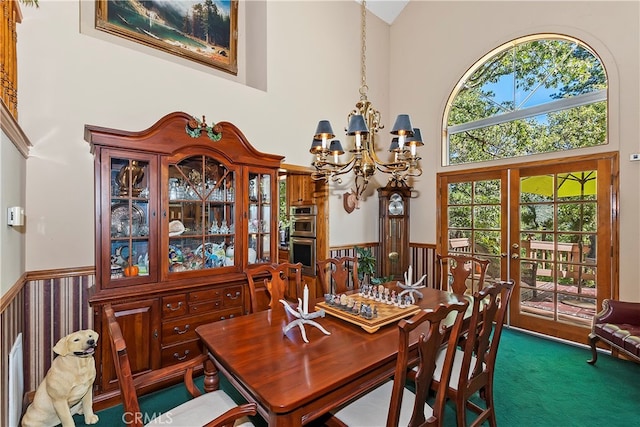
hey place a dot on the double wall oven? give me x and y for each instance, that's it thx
(302, 237)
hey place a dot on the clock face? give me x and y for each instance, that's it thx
(396, 204)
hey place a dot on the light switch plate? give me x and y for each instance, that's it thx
(15, 216)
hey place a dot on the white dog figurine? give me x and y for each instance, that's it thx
(67, 388)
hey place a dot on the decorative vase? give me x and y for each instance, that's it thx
(252, 255)
(130, 176)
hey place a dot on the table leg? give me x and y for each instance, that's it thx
(211, 379)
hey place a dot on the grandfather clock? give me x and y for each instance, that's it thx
(394, 229)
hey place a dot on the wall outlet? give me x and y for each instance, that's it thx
(634, 157)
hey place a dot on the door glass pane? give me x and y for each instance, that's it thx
(201, 215)
(259, 217)
(129, 220)
(475, 221)
(558, 218)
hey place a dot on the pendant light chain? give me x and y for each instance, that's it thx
(363, 52)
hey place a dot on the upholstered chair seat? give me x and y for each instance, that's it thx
(618, 324)
(372, 409)
(200, 411)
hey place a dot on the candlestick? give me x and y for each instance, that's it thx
(305, 299)
(302, 319)
(409, 287)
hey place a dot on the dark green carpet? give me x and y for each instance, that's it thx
(538, 382)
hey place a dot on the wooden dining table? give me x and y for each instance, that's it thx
(294, 382)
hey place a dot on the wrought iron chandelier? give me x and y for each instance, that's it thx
(363, 126)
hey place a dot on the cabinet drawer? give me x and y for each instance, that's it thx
(180, 352)
(232, 296)
(174, 306)
(227, 314)
(184, 329)
(205, 295)
(205, 307)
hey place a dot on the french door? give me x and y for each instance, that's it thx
(550, 227)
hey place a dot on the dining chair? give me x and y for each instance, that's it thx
(474, 364)
(391, 401)
(338, 275)
(461, 273)
(269, 283)
(214, 408)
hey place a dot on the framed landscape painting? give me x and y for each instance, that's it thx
(204, 31)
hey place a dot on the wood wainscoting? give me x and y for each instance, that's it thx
(422, 257)
(44, 306)
(12, 314)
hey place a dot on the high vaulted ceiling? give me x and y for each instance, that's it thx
(387, 10)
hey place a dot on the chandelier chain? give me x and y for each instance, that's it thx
(363, 51)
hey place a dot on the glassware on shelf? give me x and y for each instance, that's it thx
(214, 228)
(173, 188)
(265, 189)
(253, 190)
(143, 230)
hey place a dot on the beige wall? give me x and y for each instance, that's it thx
(12, 190)
(447, 38)
(70, 78)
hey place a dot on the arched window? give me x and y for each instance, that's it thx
(537, 94)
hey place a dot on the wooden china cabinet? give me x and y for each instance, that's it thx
(182, 208)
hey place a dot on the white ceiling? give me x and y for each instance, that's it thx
(387, 10)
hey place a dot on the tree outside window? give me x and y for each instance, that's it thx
(538, 94)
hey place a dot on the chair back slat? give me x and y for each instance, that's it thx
(269, 283)
(123, 368)
(431, 339)
(462, 274)
(338, 275)
(487, 320)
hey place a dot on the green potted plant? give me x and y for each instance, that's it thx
(367, 267)
(366, 264)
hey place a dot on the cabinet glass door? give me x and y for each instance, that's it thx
(129, 218)
(259, 226)
(201, 215)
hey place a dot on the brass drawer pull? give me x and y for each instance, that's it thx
(171, 308)
(236, 296)
(179, 332)
(178, 357)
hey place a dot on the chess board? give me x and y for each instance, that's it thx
(387, 313)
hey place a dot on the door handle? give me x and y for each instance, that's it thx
(515, 256)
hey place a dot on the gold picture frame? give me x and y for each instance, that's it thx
(179, 27)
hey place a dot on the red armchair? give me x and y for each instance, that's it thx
(618, 324)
